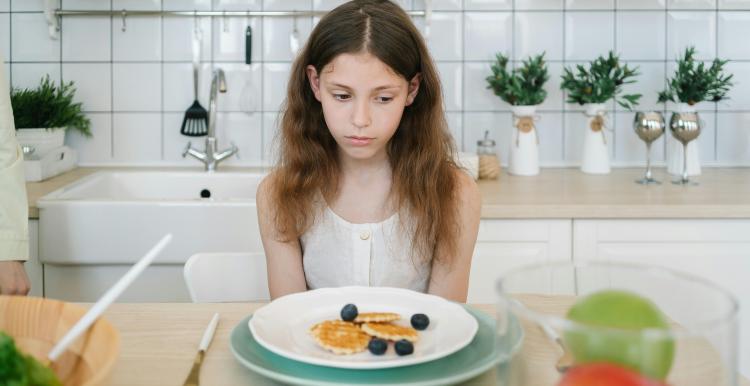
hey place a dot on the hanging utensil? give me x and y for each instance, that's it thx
(294, 38)
(248, 43)
(195, 123)
(247, 95)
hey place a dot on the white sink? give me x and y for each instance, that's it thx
(114, 217)
(159, 187)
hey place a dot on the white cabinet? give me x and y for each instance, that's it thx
(86, 283)
(717, 250)
(506, 244)
(33, 267)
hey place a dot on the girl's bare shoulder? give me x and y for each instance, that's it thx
(265, 188)
(466, 188)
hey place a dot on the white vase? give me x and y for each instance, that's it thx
(595, 158)
(524, 147)
(675, 150)
(42, 140)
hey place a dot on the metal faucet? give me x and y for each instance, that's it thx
(211, 157)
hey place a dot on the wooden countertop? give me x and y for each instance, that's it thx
(569, 193)
(159, 342)
(564, 193)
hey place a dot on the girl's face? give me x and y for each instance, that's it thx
(363, 100)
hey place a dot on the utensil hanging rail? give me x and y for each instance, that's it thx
(59, 12)
(54, 15)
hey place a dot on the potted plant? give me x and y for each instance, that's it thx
(523, 89)
(692, 82)
(42, 115)
(592, 87)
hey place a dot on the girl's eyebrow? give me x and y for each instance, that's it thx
(345, 87)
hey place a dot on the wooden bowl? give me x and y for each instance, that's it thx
(36, 324)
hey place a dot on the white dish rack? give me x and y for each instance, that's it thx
(49, 164)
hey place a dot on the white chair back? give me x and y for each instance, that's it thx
(226, 277)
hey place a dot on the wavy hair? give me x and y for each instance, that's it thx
(421, 152)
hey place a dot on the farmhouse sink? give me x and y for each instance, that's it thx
(114, 217)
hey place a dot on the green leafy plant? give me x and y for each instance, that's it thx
(693, 82)
(18, 369)
(522, 86)
(49, 106)
(600, 82)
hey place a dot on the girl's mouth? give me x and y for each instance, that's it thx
(359, 141)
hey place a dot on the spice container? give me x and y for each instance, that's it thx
(489, 164)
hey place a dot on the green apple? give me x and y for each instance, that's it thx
(609, 329)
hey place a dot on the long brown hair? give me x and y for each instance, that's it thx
(420, 152)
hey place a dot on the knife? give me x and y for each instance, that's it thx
(193, 378)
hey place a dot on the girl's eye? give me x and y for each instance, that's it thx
(341, 97)
(384, 99)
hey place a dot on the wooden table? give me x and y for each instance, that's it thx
(159, 342)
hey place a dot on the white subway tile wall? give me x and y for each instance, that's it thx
(136, 84)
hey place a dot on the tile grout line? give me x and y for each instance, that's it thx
(161, 114)
(111, 86)
(463, 78)
(9, 60)
(60, 59)
(716, 104)
(564, 92)
(514, 63)
(263, 87)
(666, 75)
(614, 112)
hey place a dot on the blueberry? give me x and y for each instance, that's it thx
(404, 347)
(420, 321)
(349, 312)
(377, 346)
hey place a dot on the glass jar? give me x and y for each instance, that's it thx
(698, 348)
(489, 164)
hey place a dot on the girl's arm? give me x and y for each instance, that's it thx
(450, 279)
(283, 259)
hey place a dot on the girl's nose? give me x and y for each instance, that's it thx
(361, 114)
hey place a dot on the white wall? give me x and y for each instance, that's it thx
(136, 85)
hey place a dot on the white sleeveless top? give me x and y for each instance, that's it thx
(337, 253)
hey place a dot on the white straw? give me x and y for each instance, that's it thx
(113, 293)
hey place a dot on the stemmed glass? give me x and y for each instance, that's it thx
(649, 126)
(685, 127)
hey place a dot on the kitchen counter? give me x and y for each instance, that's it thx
(159, 342)
(561, 193)
(569, 193)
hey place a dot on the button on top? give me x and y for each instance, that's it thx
(364, 235)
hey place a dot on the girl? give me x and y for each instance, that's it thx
(366, 191)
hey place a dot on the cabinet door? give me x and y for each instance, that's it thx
(86, 283)
(717, 250)
(506, 244)
(33, 266)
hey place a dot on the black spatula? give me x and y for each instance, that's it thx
(195, 123)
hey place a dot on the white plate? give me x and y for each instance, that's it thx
(282, 325)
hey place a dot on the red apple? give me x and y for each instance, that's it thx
(605, 374)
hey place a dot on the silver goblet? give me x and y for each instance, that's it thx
(649, 126)
(685, 127)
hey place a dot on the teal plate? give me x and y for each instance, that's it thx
(479, 356)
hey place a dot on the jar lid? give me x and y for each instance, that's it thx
(486, 142)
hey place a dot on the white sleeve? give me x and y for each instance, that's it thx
(14, 222)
